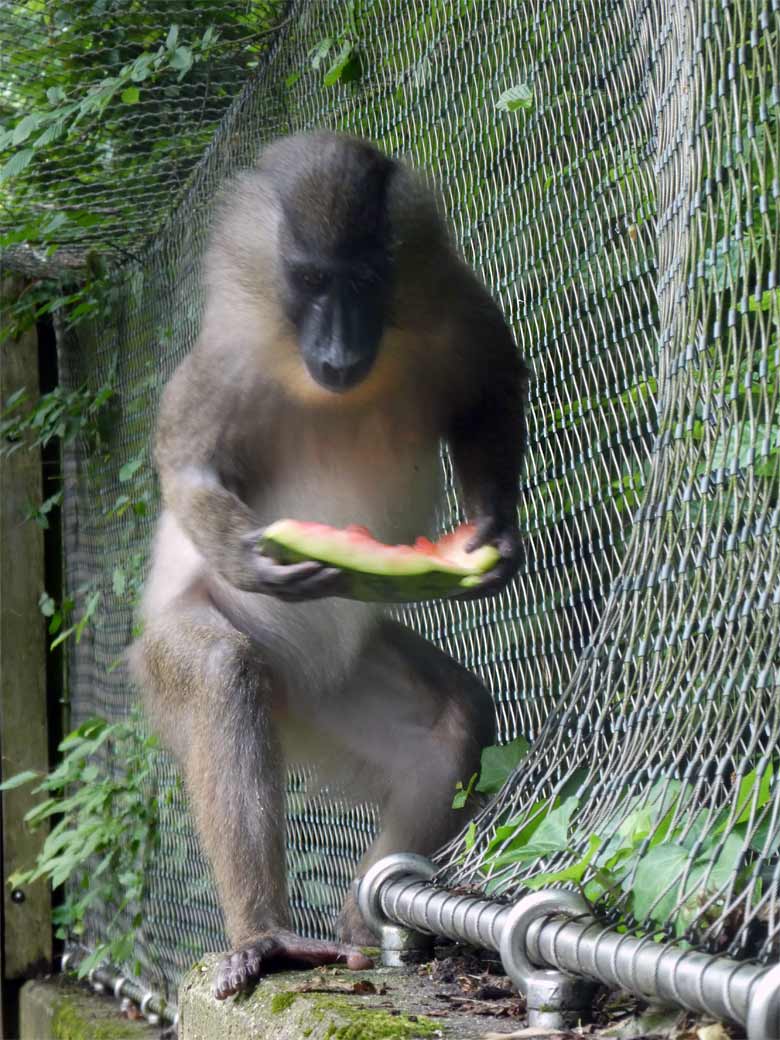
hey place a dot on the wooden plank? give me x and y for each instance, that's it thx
(27, 934)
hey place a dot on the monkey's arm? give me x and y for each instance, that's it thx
(487, 434)
(194, 436)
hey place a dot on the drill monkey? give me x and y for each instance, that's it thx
(342, 340)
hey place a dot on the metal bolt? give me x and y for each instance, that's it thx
(18, 896)
(404, 946)
(399, 945)
(554, 999)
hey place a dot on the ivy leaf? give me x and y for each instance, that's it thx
(172, 37)
(655, 869)
(575, 872)
(130, 95)
(552, 835)
(516, 99)
(498, 763)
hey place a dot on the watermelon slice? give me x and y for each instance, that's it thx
(379, 572)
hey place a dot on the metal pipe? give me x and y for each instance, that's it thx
(701, 982)
(105, 979)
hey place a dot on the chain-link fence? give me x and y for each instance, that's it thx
(621, 203)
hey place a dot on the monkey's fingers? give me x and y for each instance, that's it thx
(487, 528)
(301, 581)
(281, 951)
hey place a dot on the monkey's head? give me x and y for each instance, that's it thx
(315, 230)
(335, 256)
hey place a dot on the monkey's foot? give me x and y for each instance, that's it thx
(351, 928)
(280, 951)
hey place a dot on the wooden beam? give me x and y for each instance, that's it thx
(26, 937)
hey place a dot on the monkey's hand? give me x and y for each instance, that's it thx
(292, 582)
(505, 536)
(280, 950)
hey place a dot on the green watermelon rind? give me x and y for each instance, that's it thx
(378, 578)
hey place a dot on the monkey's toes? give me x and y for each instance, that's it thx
(238, 970)
(281, 951)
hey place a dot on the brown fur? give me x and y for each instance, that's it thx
(238, 681)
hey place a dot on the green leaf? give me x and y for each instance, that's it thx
(88, 730)
(656, 869)
(182, 60)
(293, 78)
(19, 161)
(552, 835)
(462, 793)
(340, 64)
(498, 763)
(320, 51)
(19, 779)
(54, 130)
(25, 126)
(172, 38)
(575, 872)
(516, 99)
(142, 67)
(130, 96)
(119, 582)
(768, 299)
(128, 471)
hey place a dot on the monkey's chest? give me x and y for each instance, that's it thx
(389, 483)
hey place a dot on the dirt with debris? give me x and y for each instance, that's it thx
(472, 982)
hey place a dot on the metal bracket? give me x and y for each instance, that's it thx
(554, 999)
(400, 945)
(763, 1018)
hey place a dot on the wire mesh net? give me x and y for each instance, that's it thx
(623, 209)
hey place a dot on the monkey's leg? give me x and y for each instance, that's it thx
(211, 699)
(416, 718)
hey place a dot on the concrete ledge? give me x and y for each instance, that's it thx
(328, 1004)
(60, 1009)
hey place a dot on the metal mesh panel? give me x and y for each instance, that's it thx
(628, 224)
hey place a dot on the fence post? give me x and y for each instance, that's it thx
(25, 922)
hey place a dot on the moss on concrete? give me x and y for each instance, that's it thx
(71, 1023)
(281, 1001)
(354, 1022)
(58, 1008)
(327, 1004)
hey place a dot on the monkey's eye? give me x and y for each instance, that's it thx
(310, 279)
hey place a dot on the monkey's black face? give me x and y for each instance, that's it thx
(338, 309)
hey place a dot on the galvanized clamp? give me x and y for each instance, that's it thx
(553, 999)
(400, 945)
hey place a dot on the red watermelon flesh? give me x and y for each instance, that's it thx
(379, 572)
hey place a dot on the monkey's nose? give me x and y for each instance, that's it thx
(342, 377)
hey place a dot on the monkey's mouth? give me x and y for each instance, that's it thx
(339, 378)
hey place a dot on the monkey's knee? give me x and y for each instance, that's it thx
(187, 668)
